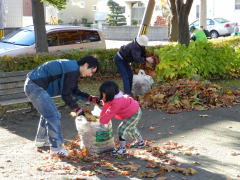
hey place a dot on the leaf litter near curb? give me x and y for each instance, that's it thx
(157, 159)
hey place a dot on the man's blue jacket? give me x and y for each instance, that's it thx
(59, 77)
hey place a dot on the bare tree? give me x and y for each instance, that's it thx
(183, 10)
(173, 24)
(39, 22)
(39, 26)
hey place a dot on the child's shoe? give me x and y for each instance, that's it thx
(119, 151)
(59, 151)
(138, 144)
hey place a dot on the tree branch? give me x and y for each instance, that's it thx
(188, 6)
(179, 5)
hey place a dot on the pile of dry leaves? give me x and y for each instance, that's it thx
(156, 162)
(187, 95)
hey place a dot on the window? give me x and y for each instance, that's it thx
(221, 20)
(197, 11)
(79, 3)
(157, 8)
(52, 39)
(69, 37)
(237, 4)
(22, 37)
(137, 5)
(90, 36)
(210, 22)
(94, 7)
(72, 37)
(196, 23)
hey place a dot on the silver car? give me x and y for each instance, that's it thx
(217, 27)
(60, 38)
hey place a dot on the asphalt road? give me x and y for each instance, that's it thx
(212, 136)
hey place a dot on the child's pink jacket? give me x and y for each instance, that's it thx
(121, 107)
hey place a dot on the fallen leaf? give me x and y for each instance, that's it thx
(196, 162)
(203, 115)
(126, 173)
(151, 128)
(188, 153)
(186, 171)
(152, 164)
(88, 173)
(130, 166)
(147, 174)
(161, 178)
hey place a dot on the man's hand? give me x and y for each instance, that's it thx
(150, 60)
(94, 100)
(77, 112)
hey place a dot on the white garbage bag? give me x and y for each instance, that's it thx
(141, 83)
(95, 137)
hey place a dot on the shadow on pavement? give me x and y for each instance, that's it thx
(220, 126)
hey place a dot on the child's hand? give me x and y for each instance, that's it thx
(150, 60)
(77, 112)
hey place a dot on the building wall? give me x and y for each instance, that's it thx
(14, 13)
(102, 7)
(19, 13)
(128, 33)
(78, 9)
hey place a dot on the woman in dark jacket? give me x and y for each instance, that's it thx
(132, 52)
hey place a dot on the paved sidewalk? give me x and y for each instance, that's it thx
(111, 44)
(213, 137)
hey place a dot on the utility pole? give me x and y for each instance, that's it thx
(2, 18)
(203, 13)
(146, 18)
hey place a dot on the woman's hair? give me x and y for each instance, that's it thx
(90, 60)
(110, 88)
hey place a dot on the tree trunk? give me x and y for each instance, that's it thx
(39, 26)
(183, 10)
(173, 29)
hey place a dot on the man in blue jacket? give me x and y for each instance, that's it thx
(53, 78)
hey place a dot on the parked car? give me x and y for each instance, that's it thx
(217, 27)
(60, 38)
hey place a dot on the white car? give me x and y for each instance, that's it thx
(60, 38)
(217, 27)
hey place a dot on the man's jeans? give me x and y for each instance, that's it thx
(49, 124)
(126, 73)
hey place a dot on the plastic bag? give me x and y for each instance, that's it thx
(95, 137)
(141, 83)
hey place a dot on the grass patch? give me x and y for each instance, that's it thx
(230, 84)
(89, 86)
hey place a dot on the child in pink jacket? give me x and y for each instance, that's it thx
(123, 108)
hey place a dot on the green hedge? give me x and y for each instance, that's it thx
(28, 62)
(215, 59)
(205, 59)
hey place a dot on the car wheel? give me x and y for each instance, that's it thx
(214, 34)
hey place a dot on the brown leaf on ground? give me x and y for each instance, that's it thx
(147, 174)
(152, 164)
(186, 95)
(151, 128)
(161, 178)
(130, 166)
(186, 171)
